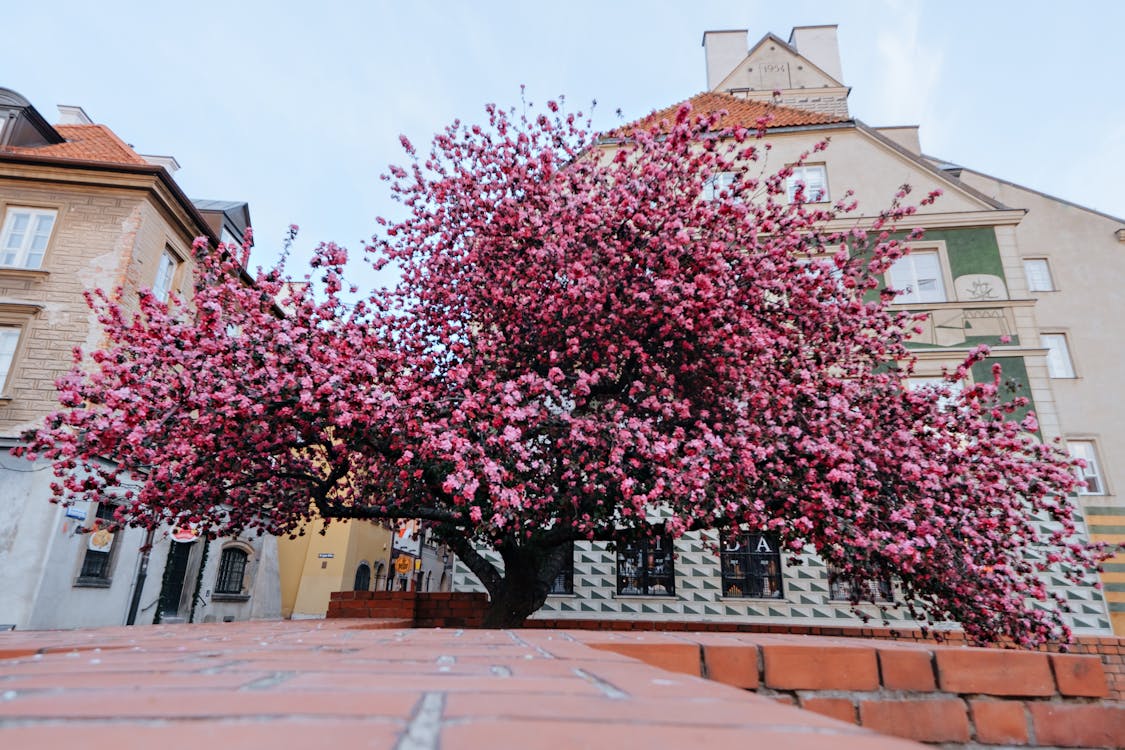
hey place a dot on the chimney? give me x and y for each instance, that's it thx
(819, 46)
(168, 162)
(72, 115)
(724, 50)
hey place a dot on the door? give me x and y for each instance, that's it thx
(175, 575)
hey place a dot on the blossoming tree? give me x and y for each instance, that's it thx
(588, 334)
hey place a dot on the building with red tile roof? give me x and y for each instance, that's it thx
(79, 210)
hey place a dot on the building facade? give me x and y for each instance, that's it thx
(978, 276)
(358, 556)
(80, 210)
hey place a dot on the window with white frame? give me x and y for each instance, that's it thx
(716, 184)
(1038, 274)
(165, 273)
(9, 338)
(24, 236)
(918, 277)
(946, 402)
(1092, 473)
(1059, 364)
(814, 178)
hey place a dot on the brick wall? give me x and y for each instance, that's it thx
(947, 695)
(423, 610)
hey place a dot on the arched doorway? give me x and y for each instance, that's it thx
(362, 577)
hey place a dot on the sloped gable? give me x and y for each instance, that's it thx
(773, 65)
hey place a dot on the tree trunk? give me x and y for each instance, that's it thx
(528, 573)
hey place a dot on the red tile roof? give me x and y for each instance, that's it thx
(739, 112)
(85, 143)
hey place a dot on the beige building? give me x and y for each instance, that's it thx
(1030, 276)
(357, 556)
(80, 210)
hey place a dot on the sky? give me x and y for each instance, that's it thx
(296, 107)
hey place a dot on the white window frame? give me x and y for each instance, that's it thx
(165, 275)
(9, 346)
(937, 381)
(1060, 363)
(1040, 279)
(801, 175)
(911, 292)
(1087, 450)
(717, 183)
(21, 253)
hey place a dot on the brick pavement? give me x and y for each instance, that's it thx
(373, 684)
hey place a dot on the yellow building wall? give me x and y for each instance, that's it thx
(307, 578)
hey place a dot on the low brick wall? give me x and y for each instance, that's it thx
(422, 610)
(949, 695)
(1109, 649)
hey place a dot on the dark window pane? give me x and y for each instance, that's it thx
(645, 567)
(751, 566)
(232, 567)
(95, 565)
(853, 589)
(564, 581)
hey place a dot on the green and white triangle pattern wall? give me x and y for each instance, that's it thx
(699, 597)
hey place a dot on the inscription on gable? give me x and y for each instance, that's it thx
(771, 75)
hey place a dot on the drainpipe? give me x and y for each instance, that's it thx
(139, 584)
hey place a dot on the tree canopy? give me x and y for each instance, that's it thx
(589, 333)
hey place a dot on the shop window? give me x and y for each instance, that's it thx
(842, 587)
(645, 567)
(751, 566)
(564, 580)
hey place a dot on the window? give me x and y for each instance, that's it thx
(1059, 364)
(1092, 474)
(853, 589)
(1038, 275)
(362, 578)
(751, 566)
(716, 184)
(645, 566)
(165, 273)
(564, 581)
(945, 402)
(917, 277)
(23, 240)
(99, 546)
(9, 338)
(814, 178)
(232, 570)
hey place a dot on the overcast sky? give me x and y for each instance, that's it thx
(296, 107)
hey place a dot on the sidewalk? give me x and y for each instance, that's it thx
(369, 684)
